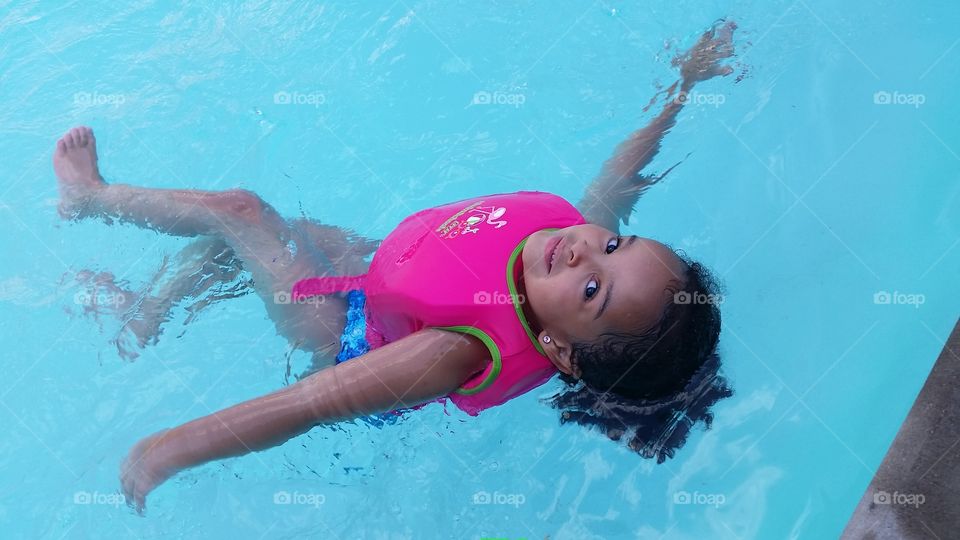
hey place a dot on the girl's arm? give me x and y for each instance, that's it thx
(416, 369)
(613, 193)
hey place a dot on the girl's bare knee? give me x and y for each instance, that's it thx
(241, 203)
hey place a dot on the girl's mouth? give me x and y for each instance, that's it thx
(550, 251)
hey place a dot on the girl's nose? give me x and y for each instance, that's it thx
(576, 252)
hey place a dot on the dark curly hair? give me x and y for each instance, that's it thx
(656, 384)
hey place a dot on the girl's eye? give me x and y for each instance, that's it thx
(592, 287)
(613, 243)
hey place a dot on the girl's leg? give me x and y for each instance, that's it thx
(276, 254)
(345, 249)
(205, 264)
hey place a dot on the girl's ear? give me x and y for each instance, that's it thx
(560, 352)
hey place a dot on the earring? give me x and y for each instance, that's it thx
(546, 339)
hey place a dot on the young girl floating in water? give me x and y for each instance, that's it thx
(476, 301)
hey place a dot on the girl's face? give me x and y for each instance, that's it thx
(584, 280)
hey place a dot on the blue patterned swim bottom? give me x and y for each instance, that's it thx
(353, 343)
(353, 340)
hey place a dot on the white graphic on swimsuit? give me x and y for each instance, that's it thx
(481, 214)
(493, 214)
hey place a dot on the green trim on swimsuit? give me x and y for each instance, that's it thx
(494, 353)
(487, 340)
(513, 291)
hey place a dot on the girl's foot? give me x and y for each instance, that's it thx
(75, 163)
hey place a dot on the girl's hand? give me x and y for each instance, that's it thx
(702, 61)
(144, 469)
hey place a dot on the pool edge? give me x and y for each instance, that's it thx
(915, 492)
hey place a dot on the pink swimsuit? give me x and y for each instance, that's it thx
(455, 267)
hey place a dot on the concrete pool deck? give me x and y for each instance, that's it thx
(916, 491)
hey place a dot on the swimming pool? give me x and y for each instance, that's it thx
(823, 179)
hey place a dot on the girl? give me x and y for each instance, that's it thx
(432, 316)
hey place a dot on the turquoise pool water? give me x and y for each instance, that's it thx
(823, 179)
